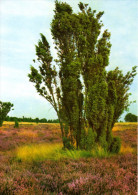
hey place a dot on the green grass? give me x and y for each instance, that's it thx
(41, 152)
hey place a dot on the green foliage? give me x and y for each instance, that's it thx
(87, 140)
(37, 120)
(83, 139)
(131, 117)
(116, 145)
(103, 142)
(90, 142)
(16, 125)
(5, 108)
(66, 143)
(82, 92)
(100, 152)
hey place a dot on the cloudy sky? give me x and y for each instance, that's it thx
(21, 23)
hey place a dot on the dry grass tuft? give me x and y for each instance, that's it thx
(126, 149)
(38, 152)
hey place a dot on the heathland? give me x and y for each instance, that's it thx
(32, 162)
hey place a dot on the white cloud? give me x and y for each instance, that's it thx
(16, 88)
(15, 47)
(15, 84)
(31, 8)
(4, 30)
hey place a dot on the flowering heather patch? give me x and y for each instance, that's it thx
(128, 135)
(111, 175)
(11, 137)
(124, 126)
(86, 176)
(27, 133)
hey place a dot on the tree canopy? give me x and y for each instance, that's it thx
(88, 99)
(131, 117)
(5, 108)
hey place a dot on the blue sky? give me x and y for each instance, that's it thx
(21, 23)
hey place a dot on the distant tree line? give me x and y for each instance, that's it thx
(29, 119)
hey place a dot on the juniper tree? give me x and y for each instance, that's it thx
(16, 124)
(5, 108)
(88, 99)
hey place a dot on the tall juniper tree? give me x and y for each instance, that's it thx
(88, 99)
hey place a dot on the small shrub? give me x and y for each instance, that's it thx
(16, 125)
(66, 143)
(116, 145)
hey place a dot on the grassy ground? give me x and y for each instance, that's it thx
(31, 162)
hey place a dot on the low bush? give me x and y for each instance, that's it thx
(116, 145)
(16, 125)
(66, 143)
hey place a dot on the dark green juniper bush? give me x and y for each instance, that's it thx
(88, 100)
(16, 125)
(5, 108)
